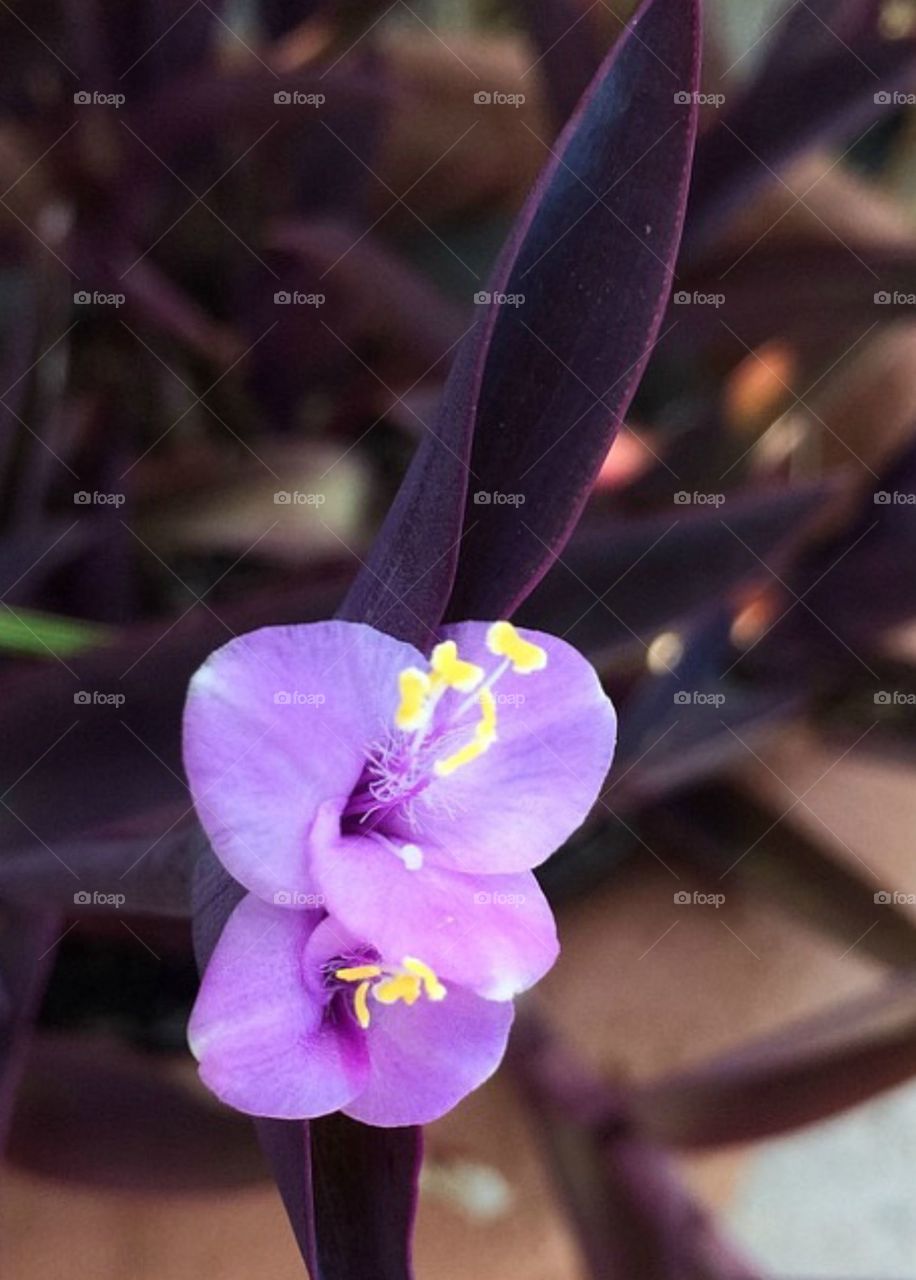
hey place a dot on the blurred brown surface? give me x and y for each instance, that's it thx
(643, 985)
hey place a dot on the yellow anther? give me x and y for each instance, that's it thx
(414, 686)
(404, 986)
(361, 1004)
(467, 755)
(453, 671)
(359, 973)
(483, 739)
(431, 984)
(389, 985)
(485, 732)
(504, 640)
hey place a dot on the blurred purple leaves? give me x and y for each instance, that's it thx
(829, 70)
(632, 1215)
(809, 1071)
(536, 393)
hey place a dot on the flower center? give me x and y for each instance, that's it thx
(389, 984)
(424, 747)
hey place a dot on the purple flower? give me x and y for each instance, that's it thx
(384, 811)
(297, 1018)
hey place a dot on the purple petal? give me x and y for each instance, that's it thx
(425, 1058)
(258, 1031)
(516, 804)
(277, 723)
(492, 934)
(332, 940)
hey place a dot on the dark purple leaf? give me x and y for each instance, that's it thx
(723, 830)
(371, 1171)
(844, 74)
(784, 290)
(620, 582)
(849, 589)
(812, 1070)
(153, 299)
(569, 51)
(151, 867)
(282, 16)
(376, 297)
(593, 257)
(375, 303)
(118, 1124)
(153, 44)
(405, 583)
(27, 559)
(574, 331)
(632, 1215)
(209, 107)
(27, 944)
(104, 762)
(683, 725)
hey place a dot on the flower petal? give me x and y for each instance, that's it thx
(258, 1031)
(425, 1058)
(517, 803)
(493, 934)
(276, 723)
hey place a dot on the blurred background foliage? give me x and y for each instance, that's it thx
(199, 397)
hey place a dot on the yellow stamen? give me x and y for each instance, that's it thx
(431, 984)
(453, 671)
(361, 1003)
(359, 973)
(484, 737)
(504, 640)
(404, 987)
(486, 727)
(414, 686)
(389, 984)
